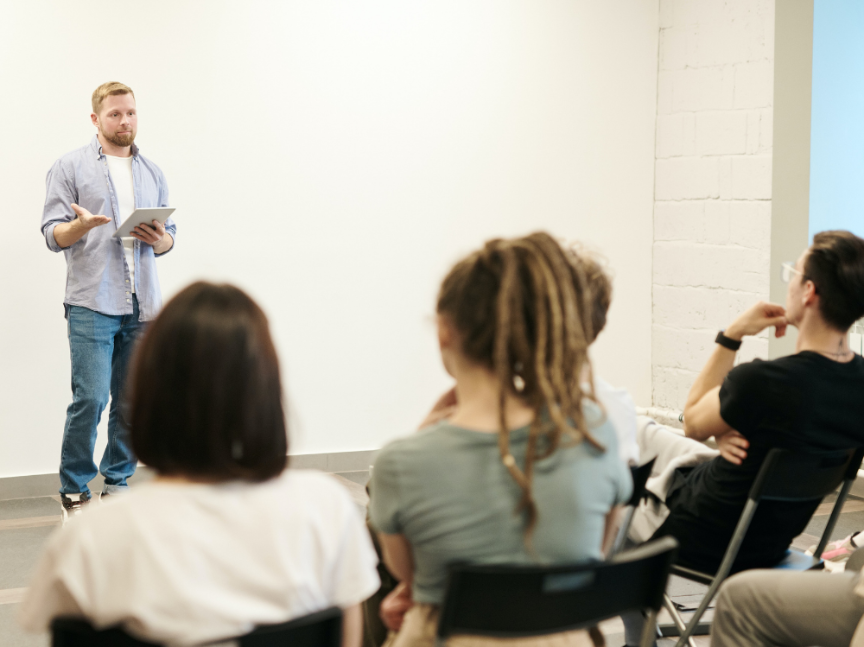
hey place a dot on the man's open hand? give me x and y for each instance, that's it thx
(148, 234)
(757, 319)
(87, 220)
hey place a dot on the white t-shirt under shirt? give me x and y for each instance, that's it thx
(120, 169)
(188, 563)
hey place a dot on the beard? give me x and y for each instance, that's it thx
(123, 140)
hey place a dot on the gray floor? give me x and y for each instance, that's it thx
(25, 525)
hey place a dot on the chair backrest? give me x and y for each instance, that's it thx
(780, 477)
(513, 601)
(640, 476)
(796, 476)
(321, 629)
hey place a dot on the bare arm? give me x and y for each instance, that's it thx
(396, 552)
(352, 626)
(702, 412)
(68, 233)
(397, 556)
(164, 245)
(610, 530)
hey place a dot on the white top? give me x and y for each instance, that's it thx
(187, 563)
(622, 414)
(120, 169)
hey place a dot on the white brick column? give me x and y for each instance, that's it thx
(712, 209)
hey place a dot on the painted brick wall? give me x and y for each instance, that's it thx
(712, 210)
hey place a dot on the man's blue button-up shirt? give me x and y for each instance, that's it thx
(97, 276)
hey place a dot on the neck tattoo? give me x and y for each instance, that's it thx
(842, 352)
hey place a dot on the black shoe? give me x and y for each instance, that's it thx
(74, 504)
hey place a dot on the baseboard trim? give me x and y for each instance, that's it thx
(35, 485)
(23, 487)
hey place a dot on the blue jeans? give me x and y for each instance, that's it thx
(101, 348)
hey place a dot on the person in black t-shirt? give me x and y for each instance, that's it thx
(811, 400)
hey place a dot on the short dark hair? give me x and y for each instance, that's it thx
(205, 398)
(835, 264)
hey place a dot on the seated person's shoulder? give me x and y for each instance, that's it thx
(757, 369)
(763, 394)
(600, 425)
(752, 380)
(604, 463)
(791, 369)
(434, 437)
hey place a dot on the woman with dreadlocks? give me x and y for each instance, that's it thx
(526, 469)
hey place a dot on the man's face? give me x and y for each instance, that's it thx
(117, 121)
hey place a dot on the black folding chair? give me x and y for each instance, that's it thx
(784, 476)
(640, 476)
(519, 601)
(322, 629)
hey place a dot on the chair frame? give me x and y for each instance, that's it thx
(763, 482)
(557, 590)
(68, 631)
(640, 476)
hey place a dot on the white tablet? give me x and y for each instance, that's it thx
(143, 217)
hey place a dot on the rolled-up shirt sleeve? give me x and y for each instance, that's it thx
(59, 195)
(170, 225)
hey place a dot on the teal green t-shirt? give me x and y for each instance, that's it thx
(446, 489)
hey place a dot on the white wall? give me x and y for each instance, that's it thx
(712, 215)
(334, 159)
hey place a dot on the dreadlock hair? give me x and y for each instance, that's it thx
(523, 310)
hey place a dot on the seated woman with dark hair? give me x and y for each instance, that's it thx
(525, 470)
(225, 538)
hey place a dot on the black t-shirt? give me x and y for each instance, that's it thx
(801, 402)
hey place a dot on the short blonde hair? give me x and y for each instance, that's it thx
(112, 88)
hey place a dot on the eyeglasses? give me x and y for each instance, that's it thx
(788, 270)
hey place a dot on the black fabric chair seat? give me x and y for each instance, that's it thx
(794, 560)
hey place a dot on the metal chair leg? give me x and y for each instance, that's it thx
(700, 611)
(679, 622)
(832, 520)
(648, 629)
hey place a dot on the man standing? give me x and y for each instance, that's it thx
(112, 287)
